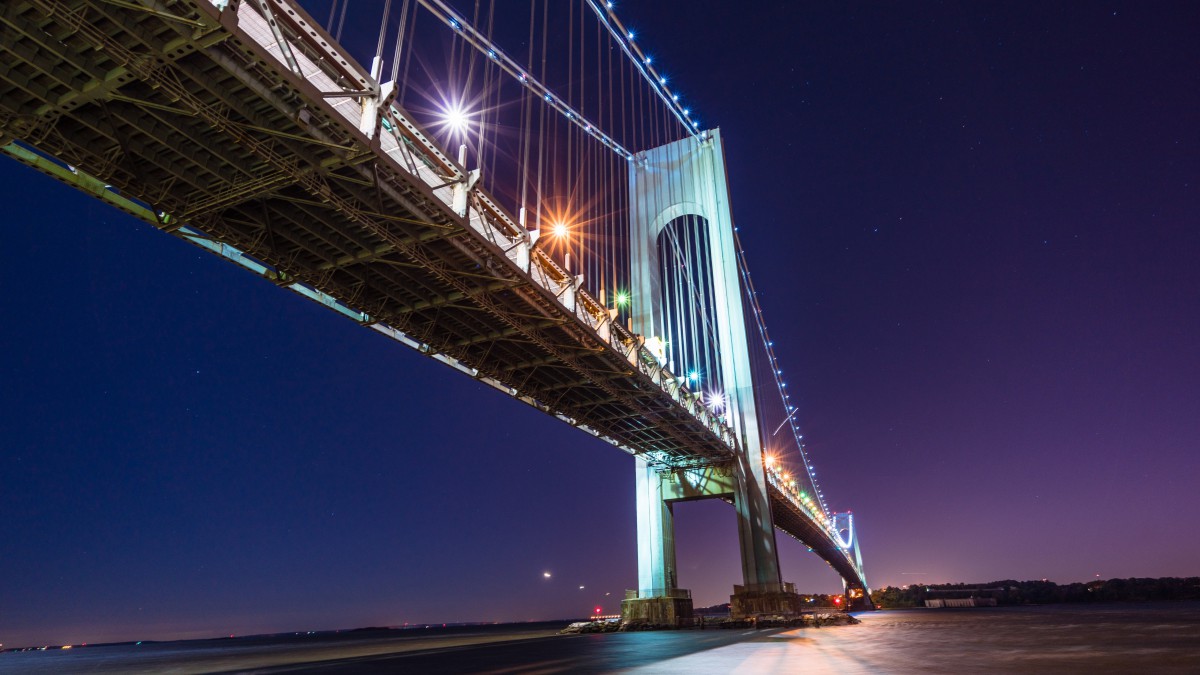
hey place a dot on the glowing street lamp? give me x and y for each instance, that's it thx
(560, 230)
(455, 119)
(716, 402)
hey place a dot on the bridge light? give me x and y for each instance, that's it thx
(622, 299)
(716, 402)
(454, 119)
(560, 230)
(694, 376)
(630, 35)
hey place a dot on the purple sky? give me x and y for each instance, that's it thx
(974, 228)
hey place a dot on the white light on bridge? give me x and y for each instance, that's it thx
(716, 402)
(455, 119)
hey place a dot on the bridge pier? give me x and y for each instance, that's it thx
(857, 598)
(778, 599)
(656, 601)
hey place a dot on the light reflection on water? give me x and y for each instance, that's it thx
(1149, 638)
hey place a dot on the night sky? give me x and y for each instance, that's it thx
(974, 227)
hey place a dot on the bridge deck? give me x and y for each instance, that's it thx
(265, 151)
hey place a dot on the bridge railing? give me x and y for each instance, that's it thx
(799, 498)
(805, 503)
(308, 52)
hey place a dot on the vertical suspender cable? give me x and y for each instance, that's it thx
(341, 20)
(332, 13)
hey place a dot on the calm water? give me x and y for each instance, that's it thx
(1149, 638)
(1158, 638)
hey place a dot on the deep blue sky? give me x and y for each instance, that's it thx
(974, 227)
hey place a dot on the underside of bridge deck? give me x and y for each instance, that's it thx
(188, 115)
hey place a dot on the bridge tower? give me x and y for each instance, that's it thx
(856, 592)
(679, 199)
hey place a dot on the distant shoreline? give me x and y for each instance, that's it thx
(1008, 592)
(366, 633)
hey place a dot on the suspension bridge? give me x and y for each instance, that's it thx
(555, 224)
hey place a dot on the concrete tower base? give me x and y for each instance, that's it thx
(858, 600)
(658, 612)
(775, 600)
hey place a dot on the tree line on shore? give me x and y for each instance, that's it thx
(1010, 592)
